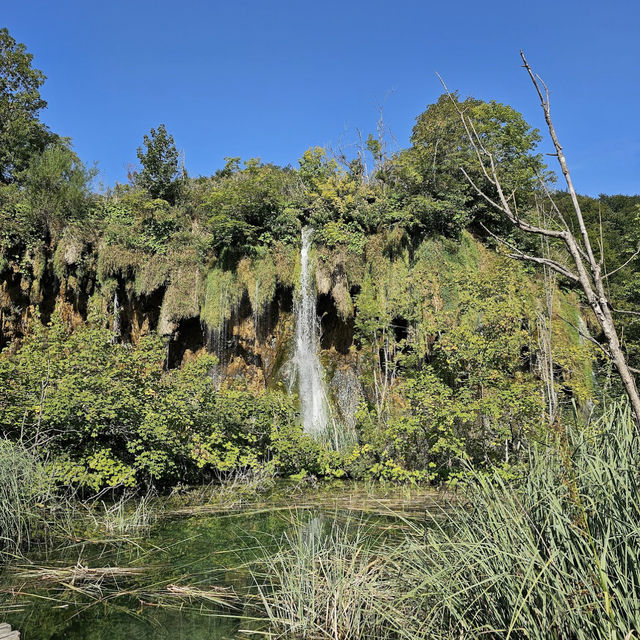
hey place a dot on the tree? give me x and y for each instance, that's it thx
(161, 173)
(576, 260)
(57, 187)
(22, 135)
(439, 196)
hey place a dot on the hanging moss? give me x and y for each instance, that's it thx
(572, 352)
(38, 262)
(258, 278)
(221, 296)
(115, 260)
(342, 299)
(180, 300)
(336, 271)
(286, 264)
(68, 253)
(152, 274)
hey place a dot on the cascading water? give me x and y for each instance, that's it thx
(311, 388)
(116, 327)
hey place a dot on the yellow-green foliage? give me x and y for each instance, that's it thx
(461, 378)
(180, 298)
(221, 295)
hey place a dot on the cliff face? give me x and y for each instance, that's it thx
(430, 351)
(251, 345)
(382, 311)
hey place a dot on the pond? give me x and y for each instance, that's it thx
(191, 576)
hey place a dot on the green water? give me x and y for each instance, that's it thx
(182, 562)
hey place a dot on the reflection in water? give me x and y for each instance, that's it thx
(209, 553)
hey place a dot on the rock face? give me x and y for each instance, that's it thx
(255, 340)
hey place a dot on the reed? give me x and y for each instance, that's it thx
(128, 515)
(24, 497)
(326, 581)
(552, 554)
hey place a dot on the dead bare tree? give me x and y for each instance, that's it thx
(583, 268)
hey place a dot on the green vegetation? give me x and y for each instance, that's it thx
(112, 417)
(326, 584)
(146, 337)
(551, 553)
(123, 314)
(22, 135)
(24, 490)
(160, 175)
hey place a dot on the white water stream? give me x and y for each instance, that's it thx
(311, 387)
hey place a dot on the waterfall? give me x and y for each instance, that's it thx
(311, 388)
(116, 327)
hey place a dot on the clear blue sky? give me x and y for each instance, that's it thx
(270, 79)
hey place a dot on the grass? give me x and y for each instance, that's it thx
(231, 492)
(557, 556)
(128, 515)
(24, 497)
(326, 581)
(553, 554)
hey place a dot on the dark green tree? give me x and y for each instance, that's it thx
(22, 135)
(430, 172)
(161, 174)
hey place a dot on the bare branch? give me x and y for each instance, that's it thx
(544, 101)
(626, 311)
(622, 266)
(557, 267)
(519, 222)
(586, 336)
(588, 271)
(518, 254)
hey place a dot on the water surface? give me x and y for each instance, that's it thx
(189, 578)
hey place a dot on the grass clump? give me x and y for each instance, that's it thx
(326, 581)
(24, 497)
(554, 553)
(128, 515)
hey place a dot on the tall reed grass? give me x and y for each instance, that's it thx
(24, 493)
(326, 581)
(554, 554)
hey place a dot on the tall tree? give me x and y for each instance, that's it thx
(439, 196)
(575, 259)
(161, 174)
(22, 135)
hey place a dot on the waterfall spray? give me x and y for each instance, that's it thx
(311, 388)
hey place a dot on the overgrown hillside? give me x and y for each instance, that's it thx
(147, 331)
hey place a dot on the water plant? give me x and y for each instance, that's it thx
(24, 494)
(327, 581)
(552, 553)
